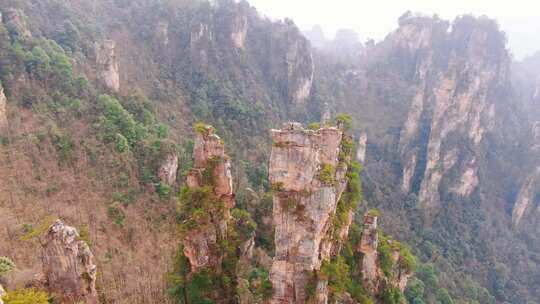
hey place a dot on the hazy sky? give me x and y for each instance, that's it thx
(520, 19)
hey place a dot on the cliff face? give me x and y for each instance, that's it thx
(211, 169)
(308, 180)
(168, 168)
(107, 65)
(455, 101)
(68, 265)
(3, 112)
(374, 277)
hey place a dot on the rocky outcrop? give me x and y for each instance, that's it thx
(3, 112)
(374, 279)
(68, 265)
(455, 99)
(2, 292)
(168, 168)
(367, 247)
(526, 197)
(304, 203)
(300, 68)
(361, 147)
(239, 29)
(162, 33)
(107, 65)
(211, 168)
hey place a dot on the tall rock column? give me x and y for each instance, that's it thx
(107, 63)
(68, 265)
(211, 173)
(3, 112)
(308, 179)
(368, 250)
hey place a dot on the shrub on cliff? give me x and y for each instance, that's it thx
(6, 265)
(25, 296)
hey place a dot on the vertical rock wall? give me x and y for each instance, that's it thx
(368, 249)
(304, 203)
(3, 112)
(107, 65)
(201, 243)
(68, 265)
(454, 106)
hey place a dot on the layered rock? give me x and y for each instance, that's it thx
(374, 278)
(526, 197)
(367, 247)
(168, 168)
(107, 65)
(210, 162)
(304, 203)
(455, 99)
(239, 29)
(68, 265)
(3, 112)
(300, 69)
(292, 62)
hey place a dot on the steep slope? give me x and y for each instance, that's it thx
(447, 126)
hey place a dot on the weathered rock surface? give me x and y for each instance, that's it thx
(361, 147)
(68, 265)
(373, 277)
(107, 65)
(455, 98)
(2, 292)
(526, 196)
(201, 244)
(168, 168)
(368, 248)
(303, 206)
(239, 30)
(3, 112)
(300, 69)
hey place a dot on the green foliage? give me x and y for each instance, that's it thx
(208, 173)
(65, 147)
(196, 205)
(202, 128)
(314, 126)
(385, 255)
(116, 214)
(392, 295)
(345, 120)
(373, 212)
(428, 274)
(336, 272)
(327, 174)
(443, 297)
(406, 259)
(25, 296)
(40, 229)
(260, 284)
(245, 225)
(6, 265)
(118, 120)
(415, 291)
(121, 143)
(163, 190)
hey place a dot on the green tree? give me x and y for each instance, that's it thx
(443, 297)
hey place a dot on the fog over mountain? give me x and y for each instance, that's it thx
(518, 19)
(201, 152)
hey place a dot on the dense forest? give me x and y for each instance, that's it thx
(160, 134)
